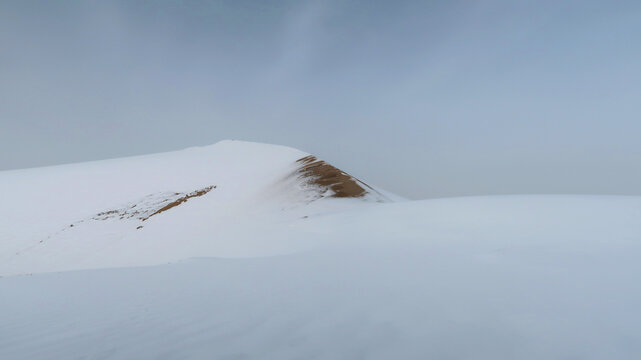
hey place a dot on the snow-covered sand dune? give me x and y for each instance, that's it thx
(269, 265)
(147, 210)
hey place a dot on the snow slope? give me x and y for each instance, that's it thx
(277, 272)
(110, 213)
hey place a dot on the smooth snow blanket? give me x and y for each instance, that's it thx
(515, 277)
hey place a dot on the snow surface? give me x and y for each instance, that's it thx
(258, 272)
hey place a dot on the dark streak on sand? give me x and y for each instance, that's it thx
(143, 214)
(181, 200)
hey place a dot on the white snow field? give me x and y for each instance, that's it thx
(245, 254)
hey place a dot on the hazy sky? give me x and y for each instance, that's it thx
(423, 98)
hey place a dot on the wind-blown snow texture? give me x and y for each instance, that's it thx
(260, 271)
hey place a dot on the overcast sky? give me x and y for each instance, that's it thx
(423, 98)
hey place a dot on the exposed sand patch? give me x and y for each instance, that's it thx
(151, 205)
(181, 200)
(325, 176)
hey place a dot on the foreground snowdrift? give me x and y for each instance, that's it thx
(509, 277)
(474, 278)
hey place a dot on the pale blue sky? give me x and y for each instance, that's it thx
(423, 98)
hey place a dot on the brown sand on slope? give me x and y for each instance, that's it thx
(181, 200)
(143, 213)
(326, 176)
